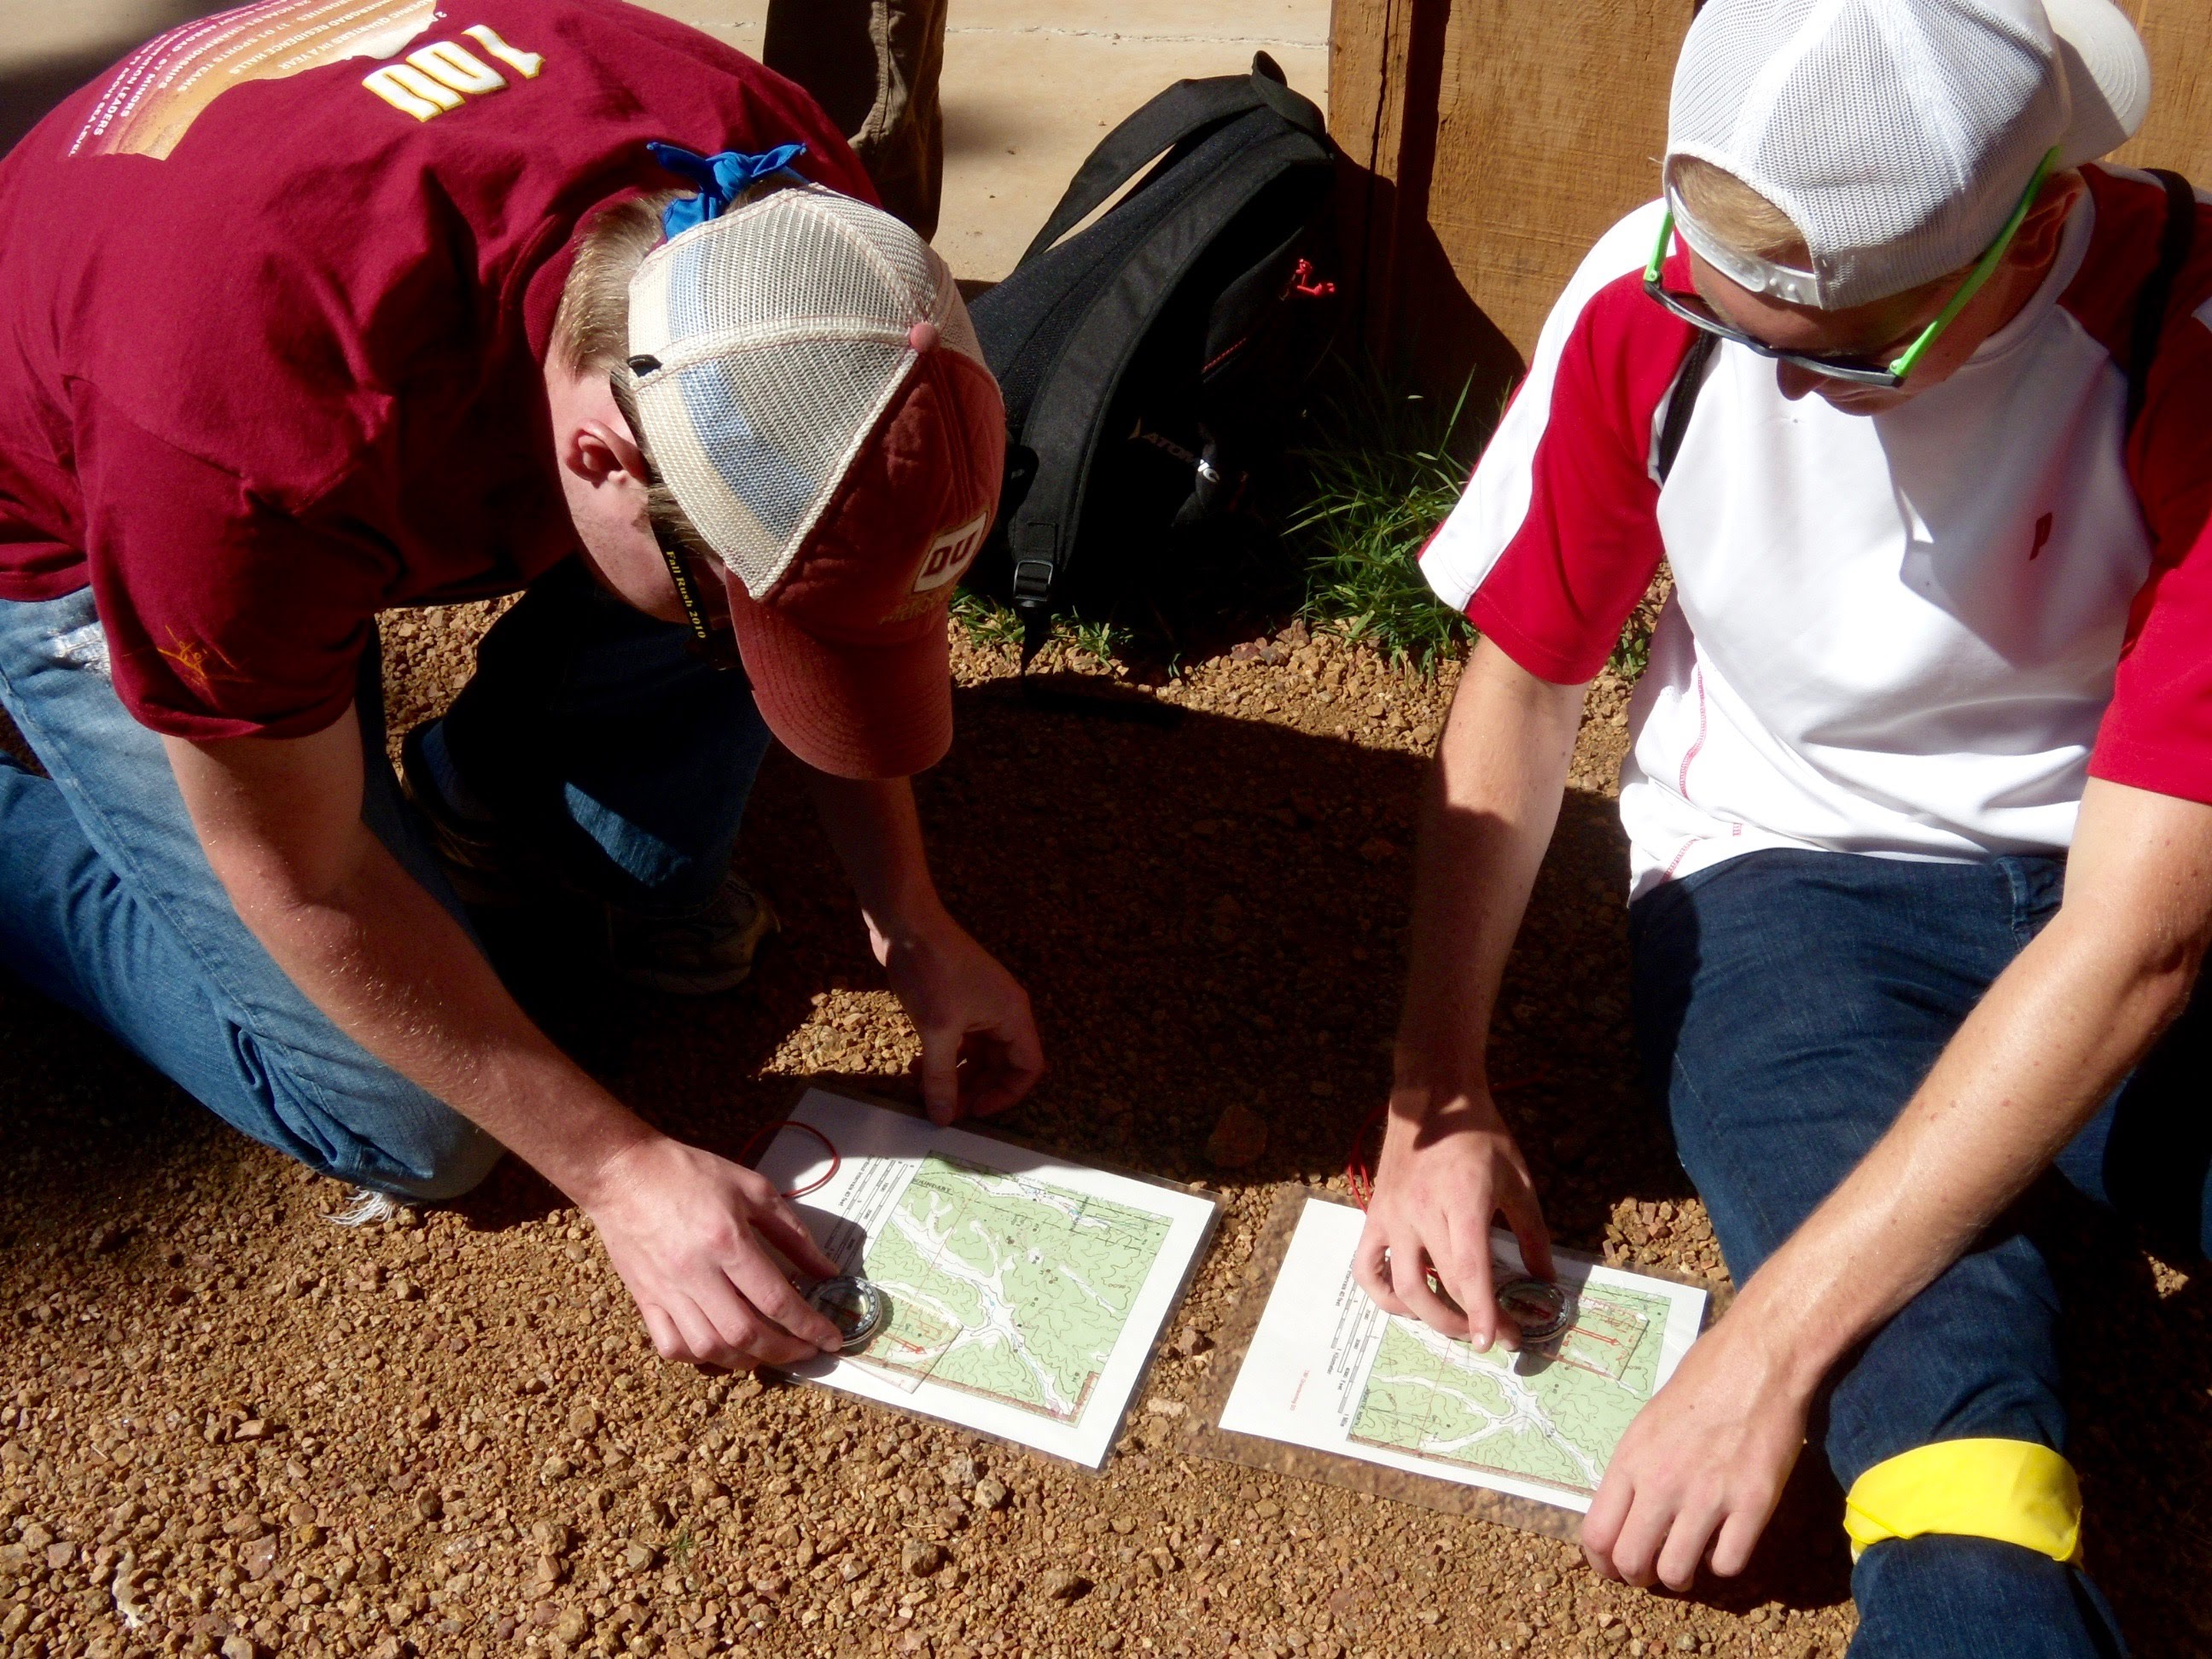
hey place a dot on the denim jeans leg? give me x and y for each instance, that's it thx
(1787, 1004)
(108, 904)
(591, 728)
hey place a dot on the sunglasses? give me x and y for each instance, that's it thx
(1693, 310)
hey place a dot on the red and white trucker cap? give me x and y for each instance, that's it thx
(1897, 135)
(812, 391)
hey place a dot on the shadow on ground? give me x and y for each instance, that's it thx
(1206, 914)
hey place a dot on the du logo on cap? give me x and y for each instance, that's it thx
(951, 555)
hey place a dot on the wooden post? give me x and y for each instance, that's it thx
(1489, 142)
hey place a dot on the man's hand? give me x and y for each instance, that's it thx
(1445, 1171)
(980, 1052)
(1703, 1464)
(685, 1230)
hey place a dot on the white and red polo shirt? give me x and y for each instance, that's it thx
(1913, 635)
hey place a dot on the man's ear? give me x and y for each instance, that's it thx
(2037, 244)
(600, 451)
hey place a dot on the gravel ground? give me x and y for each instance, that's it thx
(230, 1426)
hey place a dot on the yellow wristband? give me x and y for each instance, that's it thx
(2014, 1491)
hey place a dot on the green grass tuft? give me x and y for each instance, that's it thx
(993, 626)
(1384, 468)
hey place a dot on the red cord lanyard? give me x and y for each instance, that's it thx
(767, 1131)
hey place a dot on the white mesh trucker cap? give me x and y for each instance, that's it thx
(811, 390)
(1899, 135)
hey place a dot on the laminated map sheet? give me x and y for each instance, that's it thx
(1025, 1293)
(1326, 1369)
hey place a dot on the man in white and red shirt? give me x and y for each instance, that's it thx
(1922, 859)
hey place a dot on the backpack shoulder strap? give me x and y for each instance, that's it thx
(1185, 110)
(1073, 403)
(1683, 402)
(2174, 247)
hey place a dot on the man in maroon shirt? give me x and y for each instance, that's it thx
(319, 308)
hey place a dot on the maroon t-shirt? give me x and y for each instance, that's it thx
(275, 293)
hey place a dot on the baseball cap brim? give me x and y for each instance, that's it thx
(854, 711)
(2108, 76)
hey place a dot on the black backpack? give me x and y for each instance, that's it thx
(1151, 360)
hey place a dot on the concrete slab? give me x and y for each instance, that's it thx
(1030, 85)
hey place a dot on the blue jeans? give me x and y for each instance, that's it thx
(1787, 1005)
(619, 752)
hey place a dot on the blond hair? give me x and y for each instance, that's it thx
(1734, 215)
(590, 334)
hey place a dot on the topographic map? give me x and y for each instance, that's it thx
(1327, 1369)
(1550, 1418)
(1007, 1288)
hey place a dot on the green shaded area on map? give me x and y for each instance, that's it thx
(1550, 1418)
(1006, 1288)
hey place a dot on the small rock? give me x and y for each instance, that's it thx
(920, 1559)
(429, 1506)
(571, 1626)
(640, 1558)
(240, 1647)
(254, 1428)
(1061, 1584)
(259, 1558)
(961, 1472)
(556, 1468)
(1190, 1342)
(990, 1494)
(1239, 1137)
(1166, 1408)
(60, 1555)
(583, 1422)
(106, 1237)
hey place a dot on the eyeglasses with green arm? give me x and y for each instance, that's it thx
(1692, 311)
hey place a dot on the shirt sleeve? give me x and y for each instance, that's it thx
(2157, 730)
(224, 617)
(1557, 535)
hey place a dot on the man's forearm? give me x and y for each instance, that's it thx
(877, 836)
(1487, 813)
(396, 973)
(2055, 1034)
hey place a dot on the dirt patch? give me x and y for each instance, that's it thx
(229, 1425)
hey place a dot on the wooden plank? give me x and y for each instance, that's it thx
(1552, 120)
(1490, 142)
(2177, 134)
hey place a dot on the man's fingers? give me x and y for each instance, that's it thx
(1601, 1522)
(662, 1330)
(1637, 1549)
(941, 1075)
(1525, 1215)
(1739, 1537)
(795, 1329)
(1472, 1286)
(1370, 1265)
(1004, 1066)
(782, 1225)
(1409, 1277)
(702, 1343)
(1684, 1547)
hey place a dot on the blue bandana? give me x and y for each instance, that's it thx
(721, 179)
